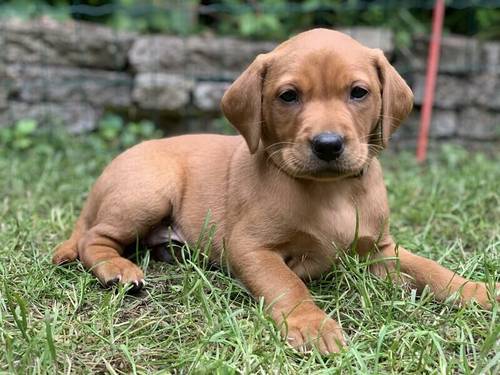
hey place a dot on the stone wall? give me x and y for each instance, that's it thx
(71, 73)
(467, 96)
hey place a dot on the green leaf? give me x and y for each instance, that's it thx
(128, 139)
(22, 143)
(26, 127)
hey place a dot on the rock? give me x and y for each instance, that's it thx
(207, 95)
(5, 86)
(491, 57)
(459, 54)
(408, 129)
(485, 91)
(373, 37)
(158, 53)
(38, 83)
(162, 91)
(44, 41)
(450, 92)
(3, 99)
(75, 117)
(197, 57)
(209, 57)
(479, 124)
(443, 123)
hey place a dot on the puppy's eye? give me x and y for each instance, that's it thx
(289, 96)
(358, 92)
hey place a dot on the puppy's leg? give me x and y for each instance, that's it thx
(101, 252)
(304, 325)
(124, 215)
(423, 272)
(125, 203)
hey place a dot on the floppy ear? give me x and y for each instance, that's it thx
(242, 102)
(397, 98)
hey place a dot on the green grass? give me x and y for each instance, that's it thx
(190, 318)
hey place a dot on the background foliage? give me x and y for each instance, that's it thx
(268, 19)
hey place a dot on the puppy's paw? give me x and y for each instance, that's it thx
(314, 330)
(481, 293)
(65, 253)
(119, 271)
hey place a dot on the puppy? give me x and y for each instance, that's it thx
(285, 197)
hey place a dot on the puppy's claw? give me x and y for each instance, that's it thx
(139, 284)
(119, 270)
(61, 261)
(114, 281)
(136, 286)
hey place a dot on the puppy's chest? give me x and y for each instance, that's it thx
(326, 230)
(338, 221)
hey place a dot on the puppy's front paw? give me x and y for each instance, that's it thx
(119, 271)
(304, 331)
(479, 292)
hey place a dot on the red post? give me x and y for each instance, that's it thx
(430, 79)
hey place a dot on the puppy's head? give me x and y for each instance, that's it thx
(321, 104)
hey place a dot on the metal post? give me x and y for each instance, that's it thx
(430, 79)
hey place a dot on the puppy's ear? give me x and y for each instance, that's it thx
(397, 97)
(242, 102)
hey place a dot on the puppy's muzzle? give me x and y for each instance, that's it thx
(328, 146)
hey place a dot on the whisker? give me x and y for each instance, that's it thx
(279, 144)
(270, 156)
(369, 136)
(390, 117)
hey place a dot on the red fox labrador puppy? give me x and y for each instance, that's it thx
(313, 115)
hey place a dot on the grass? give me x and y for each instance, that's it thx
(193, 319)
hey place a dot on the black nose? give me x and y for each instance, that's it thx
(328, 146)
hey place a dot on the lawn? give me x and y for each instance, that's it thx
(193, 319)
